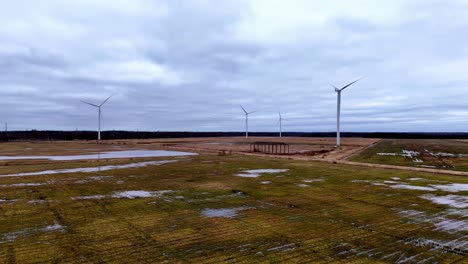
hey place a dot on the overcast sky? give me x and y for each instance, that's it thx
(188, 64)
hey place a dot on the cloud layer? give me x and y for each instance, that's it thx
(188, 64)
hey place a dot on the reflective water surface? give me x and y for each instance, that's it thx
(108, 155)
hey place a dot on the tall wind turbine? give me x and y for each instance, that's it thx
(99, 114)
(338, 109)
(280, 121)
(247, 120)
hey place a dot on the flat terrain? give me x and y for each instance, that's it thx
(438, 154)
(213, 208)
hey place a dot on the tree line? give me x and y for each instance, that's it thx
(114, 134)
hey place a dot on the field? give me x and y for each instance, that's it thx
(437, 154)
(223, 206)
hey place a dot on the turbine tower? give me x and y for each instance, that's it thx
(247, 120)
(99, 114)
(338, 109)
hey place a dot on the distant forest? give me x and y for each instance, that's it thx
(91, 135)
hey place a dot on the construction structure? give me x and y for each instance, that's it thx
(278, 148)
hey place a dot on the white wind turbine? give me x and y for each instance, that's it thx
(280, 121)
(99, 114)
(338, 109)
(247, 120)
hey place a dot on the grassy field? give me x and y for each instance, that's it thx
(197, 210)
(439, 154)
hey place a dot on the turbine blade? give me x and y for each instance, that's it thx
(252, 112)
(243, 110)
(89, 103)
(106, 100)
(346, 86)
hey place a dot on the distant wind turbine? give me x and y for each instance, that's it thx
(99, 114)
(280, 121)
(338, 109)
(247, 120)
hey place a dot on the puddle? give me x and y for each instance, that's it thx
(91, 169)
(126, 194)
(222, 212)
(454, 187)
(108, 155)
(139, 194)
(265, 182)
(302, 185)
(257, 173)
(457, 201)
(395, 178)
(412, 187)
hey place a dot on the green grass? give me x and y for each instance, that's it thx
(334, 220)
(369, 155)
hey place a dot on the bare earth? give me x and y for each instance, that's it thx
(316, 149)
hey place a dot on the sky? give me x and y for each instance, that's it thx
(187, 65)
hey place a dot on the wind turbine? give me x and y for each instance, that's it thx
(338, 109)
(247, 120)
(99, 114)
(280, 121)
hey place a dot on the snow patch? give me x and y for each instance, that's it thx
(126, 194)
(22, 184)
(313, 180)
(222, 212)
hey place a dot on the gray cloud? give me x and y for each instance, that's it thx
(187, 65)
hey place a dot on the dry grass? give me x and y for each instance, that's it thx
(340, 216)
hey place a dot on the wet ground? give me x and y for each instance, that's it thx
(214, 209)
